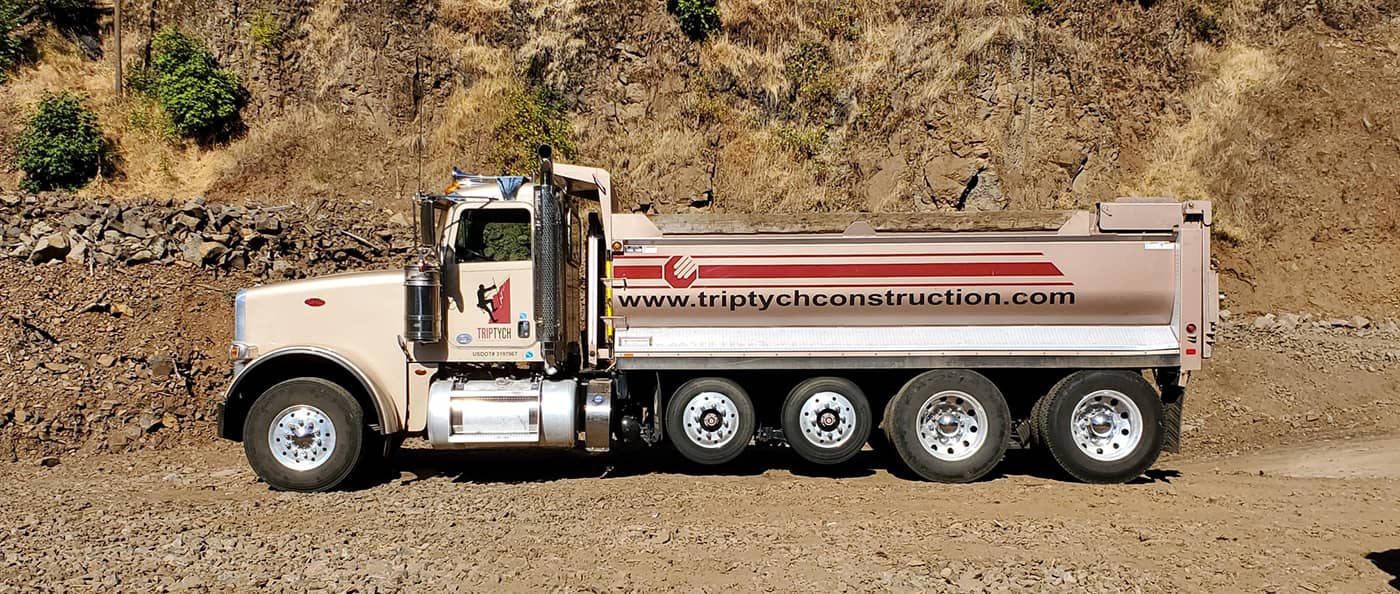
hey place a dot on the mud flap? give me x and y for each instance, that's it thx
(222, 422)
(1173, 401)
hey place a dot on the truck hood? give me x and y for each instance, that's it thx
(335, 283)
(333, 311)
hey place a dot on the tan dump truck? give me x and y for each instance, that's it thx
(534, 316)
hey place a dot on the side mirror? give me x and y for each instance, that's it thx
(427, 222)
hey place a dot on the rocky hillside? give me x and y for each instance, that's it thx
(1281, 112)
(116, 300)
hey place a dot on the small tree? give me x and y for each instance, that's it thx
(61, 145)
(201, 99)
(698, 18)
(533, 117)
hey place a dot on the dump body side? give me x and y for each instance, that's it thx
(865, 298)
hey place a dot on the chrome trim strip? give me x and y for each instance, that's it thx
(893, 340)
(868, 363)
(240, 315)
(895, 237)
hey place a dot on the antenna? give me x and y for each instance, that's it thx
(418, 118)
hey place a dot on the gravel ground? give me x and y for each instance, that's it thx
(196, 519)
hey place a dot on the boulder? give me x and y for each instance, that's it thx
(268, 224)
(211, 251)
(194, 208)
(50, 247)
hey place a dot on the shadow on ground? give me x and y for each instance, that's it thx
(533, 466)
(1389, 562)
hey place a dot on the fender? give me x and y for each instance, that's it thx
(384, 410)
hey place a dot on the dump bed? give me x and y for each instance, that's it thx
(1127, 285)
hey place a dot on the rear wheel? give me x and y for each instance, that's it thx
(304, 434)
(710, 420)
(826, 420)
(1101, 426)
(949, 425)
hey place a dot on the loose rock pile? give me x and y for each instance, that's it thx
(95, 356)
(1288, 322)
(263, 241)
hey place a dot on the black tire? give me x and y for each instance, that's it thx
(970, 460)
(1056, 419)
(854, 420)
(1037, 422)
(731, 438)
(339, 408)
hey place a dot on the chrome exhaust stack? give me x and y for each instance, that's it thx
(422, 279)
(548, 253)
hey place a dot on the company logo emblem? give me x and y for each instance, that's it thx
(680, 272)
(495, 301)
(464, 338)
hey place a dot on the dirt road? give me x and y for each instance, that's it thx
(195, 519)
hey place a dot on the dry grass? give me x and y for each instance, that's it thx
(474, 15)
(758, 69)
(1184, 154)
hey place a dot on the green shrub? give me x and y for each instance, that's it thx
(1206, 24)
(266, 31)
(698, 18)
(805, 143)
(140, 79)
(842, 23)
(201, 99)
(61, 145)
(506, 242)
(814, 79)
(1037, 7)
(533, 117)
(11, 44)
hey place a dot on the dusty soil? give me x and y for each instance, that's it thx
(196, 519)
(1288, 484)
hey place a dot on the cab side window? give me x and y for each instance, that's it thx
(493, 235)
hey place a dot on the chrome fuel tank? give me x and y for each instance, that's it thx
(502, 413)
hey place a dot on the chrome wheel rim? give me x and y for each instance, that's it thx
(302, 437)
(711, 419)
(1106, 425)
(952, 425)
(827, 419)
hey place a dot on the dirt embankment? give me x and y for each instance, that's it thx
(115, 317)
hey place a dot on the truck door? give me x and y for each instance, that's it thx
(491, 316)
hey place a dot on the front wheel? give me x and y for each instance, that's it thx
(304, 434)
(1101, 426)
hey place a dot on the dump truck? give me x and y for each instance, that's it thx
(533, 314)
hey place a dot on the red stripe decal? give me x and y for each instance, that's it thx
(880, 270)
(927, 255)
(631, 287)
(637, 272)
